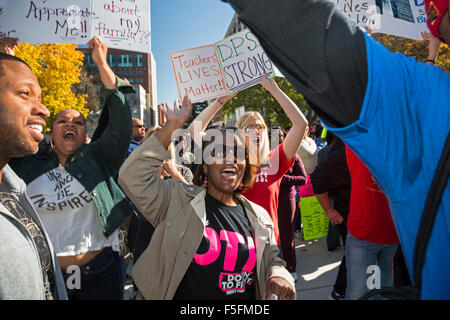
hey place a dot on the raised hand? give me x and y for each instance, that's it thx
(8, 45)
(99, 50)
(178, 114)
(225, 99)
(269, 84)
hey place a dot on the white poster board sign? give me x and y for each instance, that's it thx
(404, 18)
(51, 21)
(120, 24)
(232, 64)
(243, 60)
(198, 74)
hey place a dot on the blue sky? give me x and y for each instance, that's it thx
(183, 24)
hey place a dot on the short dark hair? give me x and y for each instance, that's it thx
(250, 169)
(8, 57)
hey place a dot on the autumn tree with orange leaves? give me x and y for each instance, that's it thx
(415, 48)
(57, 68)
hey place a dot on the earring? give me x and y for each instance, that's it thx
(52, 144)
(205, 181)
(240, 186)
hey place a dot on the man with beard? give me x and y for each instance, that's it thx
(28, 268)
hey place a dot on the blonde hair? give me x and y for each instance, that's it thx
(265, 148)
(150, 131)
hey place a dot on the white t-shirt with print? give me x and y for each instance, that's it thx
(69, 214)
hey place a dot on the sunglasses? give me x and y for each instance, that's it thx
(139, 126)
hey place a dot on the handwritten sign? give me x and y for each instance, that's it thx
(51, 21)
(315, 222)
(232, 64)
(198, 74)
(405, 18)
(8, 31)
(122, 24)
(243, 60)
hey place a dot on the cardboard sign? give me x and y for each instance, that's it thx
(315, 222)
(232, 64)
(243, 60)
(51, 21)
(122, 24)
(405, 18)
(198, 74)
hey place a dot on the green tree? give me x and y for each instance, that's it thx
(257, 98)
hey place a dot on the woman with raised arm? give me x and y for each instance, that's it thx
(275, 163)
(210, 242)
(71, 185)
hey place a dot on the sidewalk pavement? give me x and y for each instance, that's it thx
(317, 269)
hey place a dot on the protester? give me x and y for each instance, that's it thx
(137, 135)
(287, 205)
(332, 186)
(392, 111)
(168, 169)
(371, 239)
(29, 269)
(275, 163)
(186, 258)
(72, 187)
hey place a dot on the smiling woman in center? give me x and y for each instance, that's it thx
(210, 242)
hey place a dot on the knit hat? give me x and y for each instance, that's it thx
(435, 10)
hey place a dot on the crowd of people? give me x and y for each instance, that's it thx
(220, 224)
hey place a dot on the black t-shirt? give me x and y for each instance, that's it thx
(14, 207)
(225, 262)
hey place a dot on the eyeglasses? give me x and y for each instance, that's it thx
(253, 127)
(139, 126)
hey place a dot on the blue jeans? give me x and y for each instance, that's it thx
(360, 255)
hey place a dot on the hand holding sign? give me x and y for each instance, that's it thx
(268, 84)
(99, 51)
(225, 99)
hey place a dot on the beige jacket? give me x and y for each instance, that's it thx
(308, 152)
(178, 213)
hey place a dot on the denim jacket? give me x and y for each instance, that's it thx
(94, 165)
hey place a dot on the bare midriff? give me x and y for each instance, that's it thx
(78, 260)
